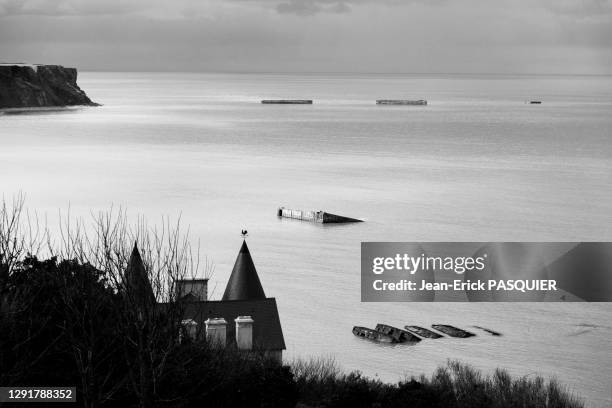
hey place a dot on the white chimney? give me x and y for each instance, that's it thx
(244, 332)
(216, 332)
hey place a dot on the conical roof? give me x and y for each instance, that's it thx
(136, 278)
(244, 283)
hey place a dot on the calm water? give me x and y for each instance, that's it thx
(477, 164)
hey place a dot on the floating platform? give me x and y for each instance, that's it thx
(491, 332)
(314, 216)
(400, 336)
(401, 102)
(452, 331)
(288, 101)
(373, 335)
(423, 332)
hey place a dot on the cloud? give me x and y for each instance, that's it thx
(312, 7)
(185, 8)
(311, 35)
(59, 8)
(581, 9)
(307, 8)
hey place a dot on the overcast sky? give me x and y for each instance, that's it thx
(399, 36)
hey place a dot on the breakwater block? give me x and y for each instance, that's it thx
(288, 101)
(400, 102)
(401, 336)
(452, 331)
(314, 216)
(373, 335)
(423, 332)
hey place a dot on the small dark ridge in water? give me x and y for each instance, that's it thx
(491, 332)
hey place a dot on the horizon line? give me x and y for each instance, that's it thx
(240, 72)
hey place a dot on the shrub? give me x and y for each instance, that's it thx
(456, 385)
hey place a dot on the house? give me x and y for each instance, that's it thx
(244, 318)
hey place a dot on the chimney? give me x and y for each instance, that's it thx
(190, 328)
(244, 332)
(216, 332)
(192, 290)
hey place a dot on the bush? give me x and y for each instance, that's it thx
(456, 385)
(201, 376)
(61, 324)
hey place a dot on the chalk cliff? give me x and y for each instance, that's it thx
(36, 86)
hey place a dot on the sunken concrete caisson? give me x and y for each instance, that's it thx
(401, 336)
(452, 330)
(321, 217)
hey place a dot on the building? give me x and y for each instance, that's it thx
(244, 318)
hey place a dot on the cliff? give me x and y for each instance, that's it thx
(35, 86)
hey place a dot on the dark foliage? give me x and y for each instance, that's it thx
(321, 384)
(63, 324)
(56, 323)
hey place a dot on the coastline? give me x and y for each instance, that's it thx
(36, 109)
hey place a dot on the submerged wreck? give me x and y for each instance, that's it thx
(400, 336)
(374, 335)
(383, 333)
(288, 101)
(452, 331)
(401, 102)
(491, 332)
(314, 216)
(423, 332)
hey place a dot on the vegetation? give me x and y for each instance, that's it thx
(321, 383)
(63, 324)
(69, 318)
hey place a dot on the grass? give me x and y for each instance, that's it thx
(321, 383)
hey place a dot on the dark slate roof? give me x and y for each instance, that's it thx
(136, 278)
(267, 331)
(244, 283)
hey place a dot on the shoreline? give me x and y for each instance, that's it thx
(36, 109)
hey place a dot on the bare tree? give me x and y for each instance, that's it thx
(143, 264)
(111, 249)
(19, 235)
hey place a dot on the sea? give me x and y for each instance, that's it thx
(477, 163)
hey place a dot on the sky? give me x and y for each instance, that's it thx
(361, 36)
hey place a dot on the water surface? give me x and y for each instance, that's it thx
(476, 164)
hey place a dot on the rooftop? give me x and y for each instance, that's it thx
(267, 331)
(244, 282)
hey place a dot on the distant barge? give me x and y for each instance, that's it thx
(400, 102)
(314, 216)
(288, 101)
